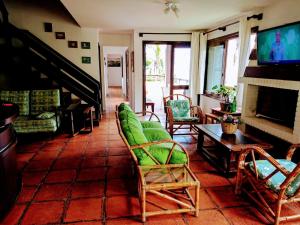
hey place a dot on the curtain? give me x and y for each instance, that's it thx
(194, 68)
(244, 53)
(198, 56)
(202, 61)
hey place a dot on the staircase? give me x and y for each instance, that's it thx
(21, 49)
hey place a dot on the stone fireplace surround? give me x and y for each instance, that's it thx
(250, 95)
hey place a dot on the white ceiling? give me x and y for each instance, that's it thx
(125, 15)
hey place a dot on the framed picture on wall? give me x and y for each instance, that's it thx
(85, 45)
(60, 35)
(72, 44)
(114, 62)
(47, 27)
(86, 60)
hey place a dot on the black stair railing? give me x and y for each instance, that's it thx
(59, 68)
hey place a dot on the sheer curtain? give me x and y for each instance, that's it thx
(244, 53)
(194, 71)
(198, 55)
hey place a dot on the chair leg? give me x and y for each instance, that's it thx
(171, 130)
(277, 212)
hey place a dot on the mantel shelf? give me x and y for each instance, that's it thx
(285, 84)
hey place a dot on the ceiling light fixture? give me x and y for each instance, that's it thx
(171, 5)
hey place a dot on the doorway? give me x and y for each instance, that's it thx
(166, 72)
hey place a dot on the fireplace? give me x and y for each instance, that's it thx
(272, 106)
(277, 105)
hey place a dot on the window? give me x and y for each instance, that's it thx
(223, 60)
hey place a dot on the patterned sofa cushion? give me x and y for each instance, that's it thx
(44, 100)
(24, 124)
(21, 98)
(265, 168)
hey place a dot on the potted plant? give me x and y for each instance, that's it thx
(229, 123)
(226, 93)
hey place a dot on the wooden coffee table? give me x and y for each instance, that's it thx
(223, 149)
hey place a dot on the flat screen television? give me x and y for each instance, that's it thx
(279, 45)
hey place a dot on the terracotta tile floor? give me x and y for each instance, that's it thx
(87, 179)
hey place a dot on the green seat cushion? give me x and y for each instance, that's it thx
(265, 168)
(151, 124)
(180, 108)
(24, 124)
(124, 106)
(20, 98)
(186, 119)
(44, 100)
(156, 134)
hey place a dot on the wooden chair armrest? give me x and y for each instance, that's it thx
(289, 179)
(247, 149)
(291, 151)
(148, 112)
(197, 112)
(170, 116)
(143, 146)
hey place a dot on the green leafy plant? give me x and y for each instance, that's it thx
(225, 92)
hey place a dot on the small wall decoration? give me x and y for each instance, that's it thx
(114, 62)
(85, 45)
(60, 35)
(132, 61)
(86, 60)
(48, 27)
(72, 44)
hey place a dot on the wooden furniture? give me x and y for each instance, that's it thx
(10, 182)
(80, 118)
(151, 104)
(216, 113)
(269, 183)
(224, 151)
(182, 115)
(173, 184)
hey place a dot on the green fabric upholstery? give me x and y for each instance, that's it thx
(44, 100)
(21, 98)
(156, 134)
(186, 119)
(180, 108)
(24, 124)
(265, 168)
(124, 106)
(45, 115)
(141, 132)
(151, 124)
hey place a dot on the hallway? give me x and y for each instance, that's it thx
(87, 180)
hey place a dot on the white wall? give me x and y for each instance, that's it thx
(138, 61)
(31, 16)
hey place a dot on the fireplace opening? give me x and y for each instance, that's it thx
(277, 105)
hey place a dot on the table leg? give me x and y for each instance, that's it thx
(72, 123)
(200, 140)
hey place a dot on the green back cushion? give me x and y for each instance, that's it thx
(130, 116)
(44, 100)
(265, 169)
(124, 106)
(21, 98)
(180, 108)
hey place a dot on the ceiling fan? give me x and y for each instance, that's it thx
(171, 6)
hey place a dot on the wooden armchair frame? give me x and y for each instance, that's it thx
(260, 193)
(173, 126)
(169, 193)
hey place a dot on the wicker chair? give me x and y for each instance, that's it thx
(268, 182)
(180, 114)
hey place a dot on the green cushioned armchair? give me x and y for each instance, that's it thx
(270, 183)
(181, 114)
(39, 110)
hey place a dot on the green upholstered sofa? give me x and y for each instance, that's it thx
(38, 110)
(148, 142)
